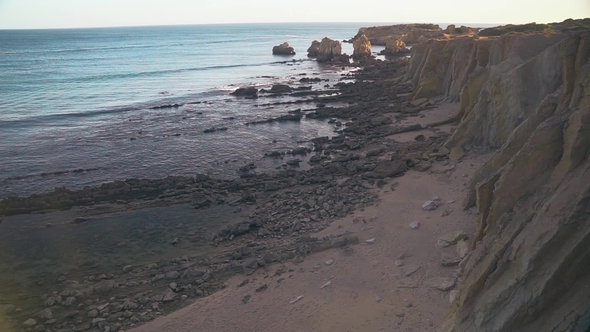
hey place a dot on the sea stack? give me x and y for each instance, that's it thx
(362, 47)
(283, 49)
(331, 50)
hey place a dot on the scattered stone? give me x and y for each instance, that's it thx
(127, 268)
(429, 206)
(451, 238)
(244, 283)
(441, 283)
(246, 299)
(370, 241)
(328, 284)
(415, 225)
(410, 269)
(262, 288)
(80, 220)
(456, 153)
(176, 241)
(296, 299)
(378, 299)
(329, 262)
(408, 304)
(173, 286)
(45, 314)
(30, 322)
(446, 212)
(399, 263)
(169, 296)
(172, 275)
(93, 313)
(449, 260)
(423, 166)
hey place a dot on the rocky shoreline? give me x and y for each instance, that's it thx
(287, 206)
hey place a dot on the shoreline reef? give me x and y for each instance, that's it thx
(500, 115)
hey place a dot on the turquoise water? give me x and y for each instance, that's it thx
(76, 105)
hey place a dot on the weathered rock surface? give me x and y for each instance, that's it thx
(330, 50)
(528, 98)
(314, 49)
(394, 46)
(408, 33)
(283, 49)
(362, 47)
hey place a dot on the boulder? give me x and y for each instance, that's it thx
(314, 49)
(248, 92)
(280, 88)
(362, 47)
(283, 49)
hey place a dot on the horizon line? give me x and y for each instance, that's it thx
(246, 23)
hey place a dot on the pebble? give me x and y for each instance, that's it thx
(30, 322)
(370, 241)
(378, 299)
(415, 225)
(296, 299)
(328, 284)
(329, 262)
(399, 263)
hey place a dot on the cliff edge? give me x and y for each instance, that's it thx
(526, 97)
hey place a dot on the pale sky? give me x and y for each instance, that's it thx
(30, 14)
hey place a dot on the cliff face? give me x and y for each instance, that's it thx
(528, 98)
(408, 33)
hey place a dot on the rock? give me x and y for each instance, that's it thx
(246, 92)
(422, 166)
(172, 275)
(328, 284)
(246, 299)
(410, 269)
(440, 152)
(407, 284)
(297, 299)
(30, 322)
(370, 241)
(394, 46)
(329, 262)
(283, 49)
(456, 153)
(314, 49)
(389, 169)
(415, 225)
(378, 299)
(80, 220)
(399, 263)
(70, 301)
(173, 286)
(169, 296)
(451, 238)
(449, 260)
(51, 321)
(45, 314)
(429, 206)
(127, 268)
(93, 313)
(280, 88)
(362, 47)
(262, 288)
(462, 248)
(441, 283)
(446, 212)
(329, 50)
(8, 308)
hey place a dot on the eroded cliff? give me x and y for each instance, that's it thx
(527, 98)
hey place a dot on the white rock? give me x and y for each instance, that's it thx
(370, 241)
(296, 299)
(415, 225)
(329, 262)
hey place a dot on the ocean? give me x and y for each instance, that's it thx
(78, 107)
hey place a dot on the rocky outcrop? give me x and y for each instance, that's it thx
(362, 47)
(408, 33)
(331, 50)
(463, 30)
(314, 49)
(283, 49)
(394, 47)
(526, 97)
